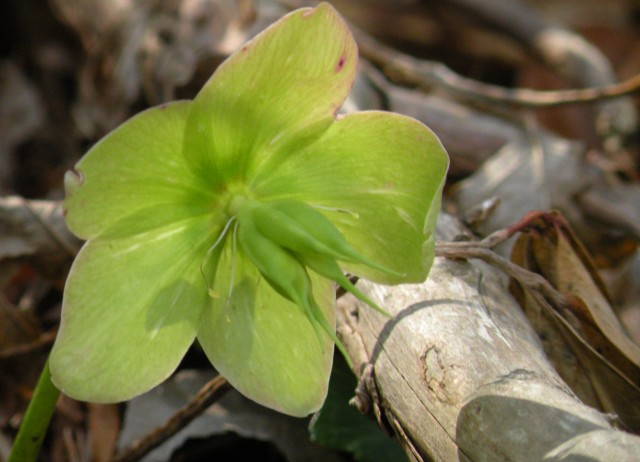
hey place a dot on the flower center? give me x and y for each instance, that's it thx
(235, 204)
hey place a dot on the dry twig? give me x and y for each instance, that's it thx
(209, 394)
(428, 73)
(537, 285)
(46, 339)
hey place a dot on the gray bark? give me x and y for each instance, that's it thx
(459, 374)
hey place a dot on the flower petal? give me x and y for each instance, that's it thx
(263, 344)
(274, 96)
(378, 177)
(138, 169)
(131, 310)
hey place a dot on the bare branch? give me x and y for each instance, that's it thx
(209, 394)
(428, 73)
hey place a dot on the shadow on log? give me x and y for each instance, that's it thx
(459, 374)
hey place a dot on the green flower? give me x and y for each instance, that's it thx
(224, 219)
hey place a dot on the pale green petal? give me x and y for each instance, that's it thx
(138, 171)
(378, 177)
(274, 96)
(131, 309)
(265, 345)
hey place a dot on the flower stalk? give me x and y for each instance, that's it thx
(36, 419)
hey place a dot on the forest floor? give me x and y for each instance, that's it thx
(536, 103)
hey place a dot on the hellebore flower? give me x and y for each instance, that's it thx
(224, 219)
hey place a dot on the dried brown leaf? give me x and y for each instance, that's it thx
(536, 172)
(585, 340)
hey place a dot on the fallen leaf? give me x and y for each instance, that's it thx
(587, 328)
(233, 413)
(529, 173)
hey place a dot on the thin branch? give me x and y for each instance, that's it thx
(209, 394)
(43, 340)
(421, 72)
(532, 282)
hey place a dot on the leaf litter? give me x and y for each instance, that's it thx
(114, 58)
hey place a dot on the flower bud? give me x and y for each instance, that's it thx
(327, 267)
(318, 229)
(287, 232)
(281, 269)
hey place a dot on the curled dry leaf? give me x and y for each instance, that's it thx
(585, 339)
(614, 204)
(534, 172)
(624, 286)
(35, 230)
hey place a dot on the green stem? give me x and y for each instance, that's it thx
(35, 422)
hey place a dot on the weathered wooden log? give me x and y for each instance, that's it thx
(458, 374)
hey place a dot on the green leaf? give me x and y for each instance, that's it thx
(273, 97)
(139, 171)
(376, 176)
(264, 344)
(131, 309)
(340, 426)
